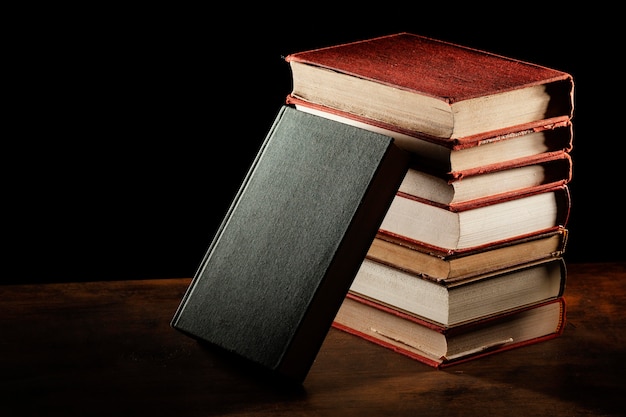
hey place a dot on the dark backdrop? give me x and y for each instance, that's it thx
(130, 130)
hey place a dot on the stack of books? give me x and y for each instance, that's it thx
(468, 258)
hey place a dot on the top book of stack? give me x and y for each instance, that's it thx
(442, 93)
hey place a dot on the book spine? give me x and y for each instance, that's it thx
(222, 226)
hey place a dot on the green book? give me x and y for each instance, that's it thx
(292, 241)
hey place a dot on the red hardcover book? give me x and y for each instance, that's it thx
(488, 183)
(440, 89)
(472, 227)
(439, 346)
(415, 258)
(461, 157)
(452, 301)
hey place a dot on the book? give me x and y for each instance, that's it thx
(438, 88)
(449, 228)
(287, 250)
(449, 302)
(461, 156)
(439, 346)
(490, 183)
(448, 265)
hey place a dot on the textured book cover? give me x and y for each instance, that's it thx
(441, 89)
(289, 247)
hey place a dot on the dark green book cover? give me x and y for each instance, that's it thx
(290, 245)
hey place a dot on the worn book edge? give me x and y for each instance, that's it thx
(445, 266)
(440, 363)
(452, 144)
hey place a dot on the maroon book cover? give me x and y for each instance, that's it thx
(444, 75)
(395, 60)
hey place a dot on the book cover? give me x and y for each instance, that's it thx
(441, 347)
(453, 301)
(284, 257)
(418, 259)
(447, 228)
(435, 87)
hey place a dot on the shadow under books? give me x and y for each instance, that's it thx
(241, 383)
(576, 368)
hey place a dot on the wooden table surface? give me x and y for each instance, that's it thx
(107, 349)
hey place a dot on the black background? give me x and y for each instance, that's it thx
(129, 131)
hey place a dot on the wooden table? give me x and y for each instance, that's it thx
(107, 349)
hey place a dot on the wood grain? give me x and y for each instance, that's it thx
(106, 348)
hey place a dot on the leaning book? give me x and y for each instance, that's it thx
(283, 258)
(440, 346)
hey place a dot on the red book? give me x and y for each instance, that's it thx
(442, 90)
(439, 346)
(412, 257)
(465, 156)
(482, 185)
(474, 226)
(450, 302)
